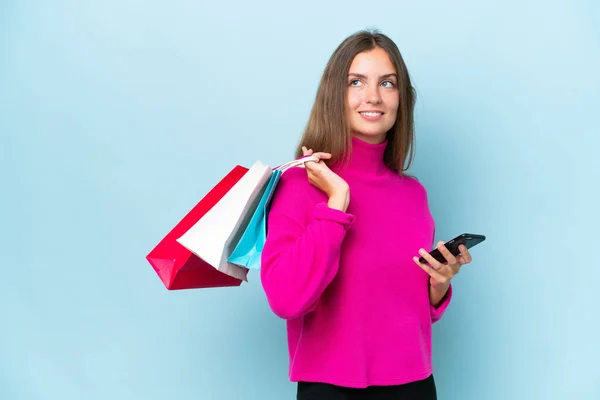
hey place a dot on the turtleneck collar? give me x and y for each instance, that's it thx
(366, 158)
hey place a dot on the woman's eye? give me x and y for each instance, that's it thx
(355, 82)
(388, 84)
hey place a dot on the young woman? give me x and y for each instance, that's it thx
(340, 262)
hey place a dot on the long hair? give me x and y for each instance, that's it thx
(327, 129)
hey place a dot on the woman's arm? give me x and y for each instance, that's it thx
(302, 250)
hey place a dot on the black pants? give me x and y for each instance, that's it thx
(419, 390)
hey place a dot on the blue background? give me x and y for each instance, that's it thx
(117, 116)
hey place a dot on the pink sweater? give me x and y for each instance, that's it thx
(357, 306)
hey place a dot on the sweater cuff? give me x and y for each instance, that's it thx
(437, 312)
(324, 212)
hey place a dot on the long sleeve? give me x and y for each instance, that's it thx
(438, 312)
(302, 249)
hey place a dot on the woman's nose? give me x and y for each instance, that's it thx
(373, 96)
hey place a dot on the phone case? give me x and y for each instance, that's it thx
(468, 239)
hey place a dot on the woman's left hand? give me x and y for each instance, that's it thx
(441, 273)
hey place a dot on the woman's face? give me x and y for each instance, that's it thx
(372, 95)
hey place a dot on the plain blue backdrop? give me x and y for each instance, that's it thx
(116, 117)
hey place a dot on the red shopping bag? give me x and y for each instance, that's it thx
(177, 267)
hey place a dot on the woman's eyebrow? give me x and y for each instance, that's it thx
(392, 75)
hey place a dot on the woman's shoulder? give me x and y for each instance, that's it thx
(413, 181)
(294, 182)
(294, 177)
(413, 184)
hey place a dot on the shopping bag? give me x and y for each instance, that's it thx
(248, 250)
(215, 235)
(176, 266)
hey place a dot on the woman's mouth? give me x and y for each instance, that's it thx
(371, 115)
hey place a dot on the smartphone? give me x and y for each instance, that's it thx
(468, 239)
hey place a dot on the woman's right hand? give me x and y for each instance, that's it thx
(323, 178)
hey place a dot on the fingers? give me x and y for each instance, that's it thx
(315, 166)
(311, 166)
(432, 272)
(306, 151)
(320, 155)
(316, 170)
(446, 253)
(464, 254)
(435, 264)
(444, 271)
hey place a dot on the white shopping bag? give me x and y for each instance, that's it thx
(214, 237)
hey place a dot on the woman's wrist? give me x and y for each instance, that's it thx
(437, 292)
(339, 200)
(440, 286)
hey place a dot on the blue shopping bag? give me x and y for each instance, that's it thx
(248, 250)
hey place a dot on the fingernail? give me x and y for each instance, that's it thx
(422, 251)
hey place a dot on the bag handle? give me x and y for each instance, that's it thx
(296, 163)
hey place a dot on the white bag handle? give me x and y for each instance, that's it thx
(296, 163)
